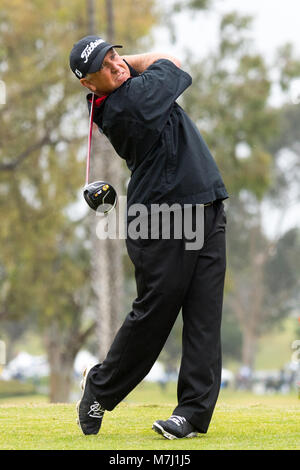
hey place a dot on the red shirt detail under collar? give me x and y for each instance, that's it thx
(98, 101)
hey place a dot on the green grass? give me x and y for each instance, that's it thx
(240, 421)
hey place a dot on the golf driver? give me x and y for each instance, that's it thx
(99, 195)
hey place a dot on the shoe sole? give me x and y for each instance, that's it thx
(160, 430)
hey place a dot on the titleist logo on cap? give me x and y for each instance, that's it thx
(89, 49)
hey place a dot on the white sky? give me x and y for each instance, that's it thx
(275, 23)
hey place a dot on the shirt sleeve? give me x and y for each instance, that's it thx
(136, 114)
(151, 95)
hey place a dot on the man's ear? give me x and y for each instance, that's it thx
(87, 84)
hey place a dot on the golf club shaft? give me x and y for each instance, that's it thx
(89, 141)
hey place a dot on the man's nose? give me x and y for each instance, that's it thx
(114, 67)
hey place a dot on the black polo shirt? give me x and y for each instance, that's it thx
(165, 152)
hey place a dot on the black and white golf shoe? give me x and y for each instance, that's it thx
(90, 412)
(176, 427)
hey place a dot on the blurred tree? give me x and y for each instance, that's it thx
(106, 263)
(44, 267)
(180, 5)
(231, 335)
(283, 276)
(171, 9)
(285, 145)
(249, 252)
(247, 135)
(38, 154)
(230, 102)
(45, 246)
(107, 267)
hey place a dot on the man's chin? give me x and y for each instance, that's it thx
(122, 80)
(116, 85)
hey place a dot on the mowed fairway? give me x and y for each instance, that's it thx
(241, 421)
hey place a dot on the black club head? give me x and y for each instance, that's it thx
(100, 196)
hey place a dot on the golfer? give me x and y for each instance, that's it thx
(135, 107)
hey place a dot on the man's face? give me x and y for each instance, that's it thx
(113, 72)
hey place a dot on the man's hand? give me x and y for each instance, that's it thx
(141, 62)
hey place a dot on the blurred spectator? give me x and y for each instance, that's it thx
(244, 378)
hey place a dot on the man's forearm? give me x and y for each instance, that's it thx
(141, 62)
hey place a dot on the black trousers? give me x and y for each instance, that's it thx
(169, 279)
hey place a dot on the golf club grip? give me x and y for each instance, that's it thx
(90, 141)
